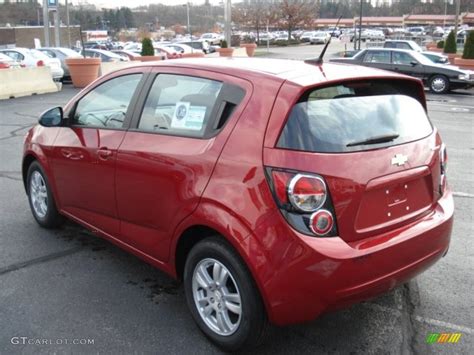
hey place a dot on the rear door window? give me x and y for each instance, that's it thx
(377, 57)
(356, 116)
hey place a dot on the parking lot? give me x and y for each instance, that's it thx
(67, 286)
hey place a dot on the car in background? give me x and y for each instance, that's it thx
(417, 31)
(62, 54)
(283, 37)
(105, 56)
(435, 57)
(306, 36)
(319, 37)
(131, 55)
(403, 44)
(182, 48)
(212, 38)
(439, 78)
(34, 58)
(334, 31)
(168, 52)
(199, 45)
(6, 62)
(339, 196)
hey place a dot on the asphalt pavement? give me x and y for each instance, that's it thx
(67, 291)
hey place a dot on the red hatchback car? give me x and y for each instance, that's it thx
(276, 190)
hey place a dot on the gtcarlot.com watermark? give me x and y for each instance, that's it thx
(50, 341)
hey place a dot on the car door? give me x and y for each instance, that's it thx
(405, 63)
(377, 59)
(84, 153)
(168, 154)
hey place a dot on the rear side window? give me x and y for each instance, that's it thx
(189, 106)
(356, 116)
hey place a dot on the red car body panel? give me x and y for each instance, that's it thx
(160, 186)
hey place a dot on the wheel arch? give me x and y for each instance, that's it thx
(223, 224)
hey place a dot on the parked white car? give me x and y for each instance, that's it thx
(212, 38)
(7, 62)
(319, 37)
(34, 58)
(182, 48)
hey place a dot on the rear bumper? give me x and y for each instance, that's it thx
(310, 276)
(461, 84)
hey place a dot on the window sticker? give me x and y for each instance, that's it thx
(188, 117)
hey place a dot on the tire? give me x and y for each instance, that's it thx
(244, 331)
(41, 198)
(439, 84)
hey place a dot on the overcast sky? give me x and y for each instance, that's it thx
(134, 3)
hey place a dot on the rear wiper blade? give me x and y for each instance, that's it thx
(374, 140)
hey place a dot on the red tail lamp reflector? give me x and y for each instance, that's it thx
(321, 222)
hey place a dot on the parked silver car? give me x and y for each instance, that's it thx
(61, 54)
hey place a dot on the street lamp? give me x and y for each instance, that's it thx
(188, 26)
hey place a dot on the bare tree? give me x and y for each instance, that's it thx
(297, 13)
(254, 14)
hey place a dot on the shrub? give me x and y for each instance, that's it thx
(469, 46)
(440, 44)
(450, 45)
(224, 44)
(147, 47)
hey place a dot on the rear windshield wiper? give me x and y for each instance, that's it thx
(375, 140)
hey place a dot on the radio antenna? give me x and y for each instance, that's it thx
(319, 60)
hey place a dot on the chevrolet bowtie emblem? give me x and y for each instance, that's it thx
(399, 159)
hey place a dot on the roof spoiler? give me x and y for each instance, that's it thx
(319, 60)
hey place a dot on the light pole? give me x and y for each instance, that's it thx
(46, 23)
(227, 21)
(360, 23)
(188, 25)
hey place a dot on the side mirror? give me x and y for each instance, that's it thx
(52, 118)
(413, 63)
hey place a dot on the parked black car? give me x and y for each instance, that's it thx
(439, 78)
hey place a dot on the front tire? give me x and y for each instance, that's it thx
(222, 296)
(439, 84)
(41, 198)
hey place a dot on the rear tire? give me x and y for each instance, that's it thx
(222, 296)
(439, 84)
(41, 198)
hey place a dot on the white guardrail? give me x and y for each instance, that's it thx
(17, 82)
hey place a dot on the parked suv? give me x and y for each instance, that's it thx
(276, 190)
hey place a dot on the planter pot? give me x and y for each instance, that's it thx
(83, 70)
(225, 52)
(431, 45)
(452, 56)
(193, 55)
(149, 58)
(464, 63)
(249, 48)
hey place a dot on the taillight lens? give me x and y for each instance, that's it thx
(307, 193)
(304, 201)
(443, 161)
(40, 63)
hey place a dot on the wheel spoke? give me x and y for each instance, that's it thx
(207, 310)
(234, 308)
(221, 322)
(216, 272)
(203, 277)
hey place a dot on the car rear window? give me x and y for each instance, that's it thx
(356, 116)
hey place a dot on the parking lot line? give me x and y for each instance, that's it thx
(421, 319)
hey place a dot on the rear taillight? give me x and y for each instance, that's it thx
(304, 201)
(443, 161)
(39, 63)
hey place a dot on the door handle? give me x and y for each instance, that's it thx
(104, 153)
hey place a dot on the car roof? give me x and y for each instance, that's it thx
(295, 71)
(391, 49)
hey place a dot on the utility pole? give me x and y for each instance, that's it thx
(227, 21)
(360, 23)
(456, 20)
(188, 25)
(67, 24)
(57, 40)
(46, 23)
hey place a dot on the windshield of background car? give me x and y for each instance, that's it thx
(338, 118)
